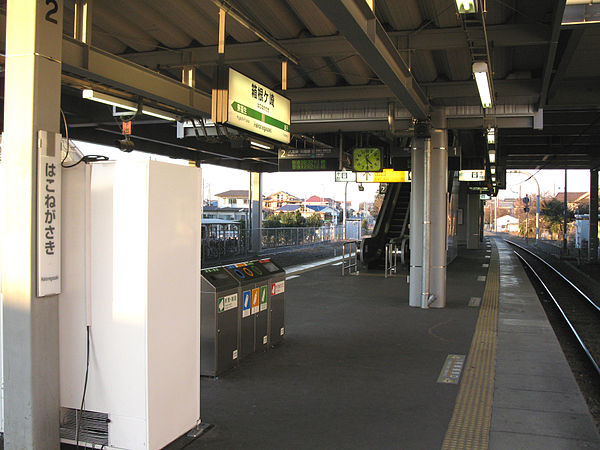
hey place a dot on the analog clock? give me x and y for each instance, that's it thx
(367, 159)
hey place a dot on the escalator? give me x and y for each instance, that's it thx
(391, 226)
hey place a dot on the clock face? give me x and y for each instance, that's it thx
(367, 159)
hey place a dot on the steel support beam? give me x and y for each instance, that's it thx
(559, 9)
(528, 89)
(90, 65)
(30, 328)
(338, 46)
(357, 22)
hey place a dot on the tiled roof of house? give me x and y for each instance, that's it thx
(233, 194)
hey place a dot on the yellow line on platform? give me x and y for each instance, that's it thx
(470, 424)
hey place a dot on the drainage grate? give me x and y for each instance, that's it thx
(93, 428)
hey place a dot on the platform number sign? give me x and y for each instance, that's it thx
(246, 303)
(51, 13)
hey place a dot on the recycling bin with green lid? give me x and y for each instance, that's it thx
(276, 300)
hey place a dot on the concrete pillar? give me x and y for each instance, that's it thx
(439, 211)
(31, 103)
(255, 211)
(473, 213)
(593, 238)
(463, 214)
(417, 158)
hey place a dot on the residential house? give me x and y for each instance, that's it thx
(574, 199)
(233, 199)
(230, 205)
(279, 199)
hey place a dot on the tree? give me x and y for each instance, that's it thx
(271, 221)
(314, 221)
(553, 213)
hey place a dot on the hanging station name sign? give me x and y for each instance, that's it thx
(258, 109)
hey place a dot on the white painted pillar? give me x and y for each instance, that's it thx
(417, 158)
(255, 211)
(473, 213)
(439, 211)
(31, 103)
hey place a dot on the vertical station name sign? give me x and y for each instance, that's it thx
(252, 106)
(48, 213)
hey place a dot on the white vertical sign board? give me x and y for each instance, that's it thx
(258, 109)
(48, 213)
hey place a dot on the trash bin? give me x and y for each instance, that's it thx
(276, 300)
(252, 283)
(260, 306)
(219, 309)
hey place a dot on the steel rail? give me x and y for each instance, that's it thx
(575, 333)
(592, 302)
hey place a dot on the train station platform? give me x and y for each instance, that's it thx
(359, 368)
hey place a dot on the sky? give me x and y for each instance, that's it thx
(218, 179)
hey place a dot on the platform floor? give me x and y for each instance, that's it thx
(359, 369)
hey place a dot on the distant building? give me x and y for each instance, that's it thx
(279, 199)
(315, 200)
(230, 205)
(574, 199)
(233, 199)
(507, 223)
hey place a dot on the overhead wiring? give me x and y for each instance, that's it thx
(86, 158)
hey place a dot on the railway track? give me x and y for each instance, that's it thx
(580, 312)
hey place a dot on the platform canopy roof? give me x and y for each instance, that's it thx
(354, 72)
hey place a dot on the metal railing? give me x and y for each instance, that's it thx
(251, 242)
(350, 258)
(391, 259)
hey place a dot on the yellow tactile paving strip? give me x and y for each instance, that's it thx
(470, 424)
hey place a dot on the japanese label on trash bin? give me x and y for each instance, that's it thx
(278, 288)
(228, 302)
(247, 302)
(263, 297)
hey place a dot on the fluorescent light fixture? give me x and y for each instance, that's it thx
(491, 135)
(126, 104)
(158, 113)
(480, 71)
(109, 100)
(260, 145)
(492, 156)
(493, 170)
(466, 6)
(494, 178)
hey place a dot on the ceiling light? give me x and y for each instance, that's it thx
(109, 100)
(494, 178)
(126, 104)
(491, 135)
(492, 156)
(493, 170)
(480, 71)
(260, 145)
(466, 6)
